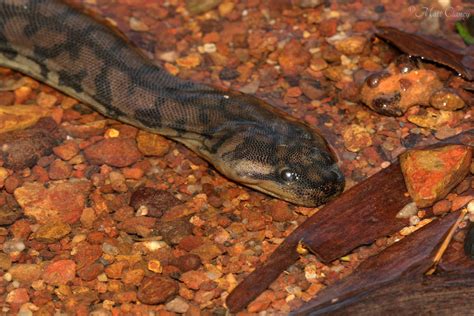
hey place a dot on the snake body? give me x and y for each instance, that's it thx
(246, 139)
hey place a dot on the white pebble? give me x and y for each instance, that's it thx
(470, 207)
(210, 48)
(13, 245)
(407, 211)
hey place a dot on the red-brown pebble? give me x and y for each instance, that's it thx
(67, 150)
(262, 302)
(133, 277)
(188, 262)
(194, 279)
(293, 58)
(59, 272)
(157, 290)
(280, 211)
(90, 272)
(25, 273)
(59, 170)
(87, 254)
(115, 152)
(461, 201)
(441, 207)
(62, 200)
(18, 296)
(115, 270)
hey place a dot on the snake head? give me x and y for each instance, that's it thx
(295, 165)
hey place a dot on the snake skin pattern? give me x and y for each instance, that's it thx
(246, 139)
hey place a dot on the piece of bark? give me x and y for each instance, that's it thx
(429, 295)
(360, 215)
(410, 257)
(437, 50)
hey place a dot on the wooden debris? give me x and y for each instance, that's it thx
(410, 257)
(436, 50)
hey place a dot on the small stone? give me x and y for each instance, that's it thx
(13, 246)
(152, 144)
(62, 201)
(356, 137)
(25, 273)
(157, 290)
(460, 201)
(173, 231)
(67, 150)
(228, 74)
(432, 119)
(293, 92)
(87, 130)
(293, 58)
(11, 183)
(352, 45)
(225, 8)
(59, 170)
(115, 270)
(117, 180)
(140, 225)
(445, 132)
(188, 262)
(470, 207)
(262, 302)
(18, 297)
(407, 211)
(177, 305)
(201, 6)
(446, 100)
(157, 202)
(59, 272)
(5, 261)
(19, 117)
(280, 212)
(194, 279)
(441, 207)
(190, 61)
(90, 272)
(432, 173)
(133, 277)
(133, 173)
(318, 64)
(207, 251)
(155, 266)
(309, 3)
(46, 100)
(312, 89)
(87, 254)
(138, 25)
(52, 232)
(115, 152)
(8, 215)
(22, 149)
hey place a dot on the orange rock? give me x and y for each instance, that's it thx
(294, 58)
(431, 174)
(59, 272)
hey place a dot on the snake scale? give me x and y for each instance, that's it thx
(245, 138)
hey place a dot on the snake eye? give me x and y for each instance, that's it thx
(288, 175)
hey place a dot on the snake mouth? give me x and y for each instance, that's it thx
(313, 196)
